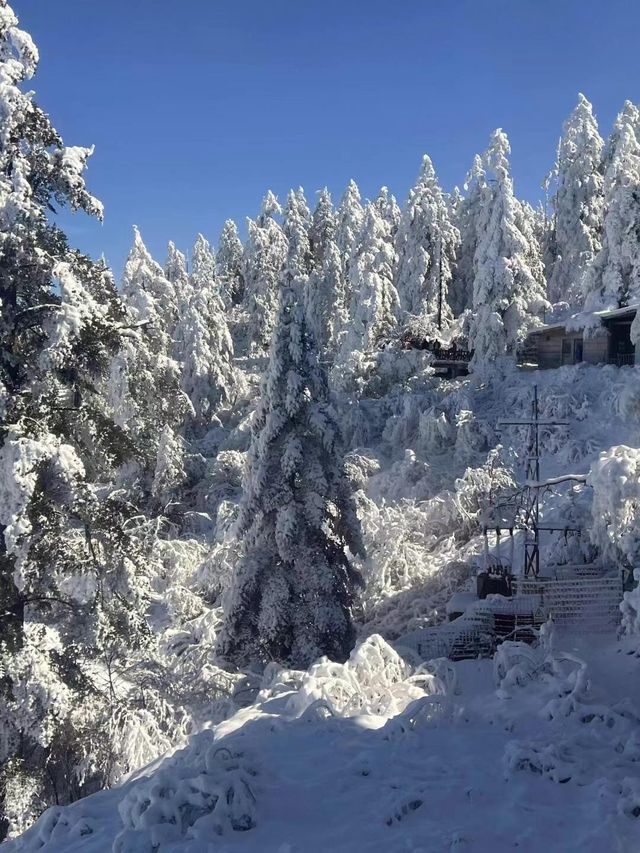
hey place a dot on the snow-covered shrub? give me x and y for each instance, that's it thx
(374, 680)
(615, 479)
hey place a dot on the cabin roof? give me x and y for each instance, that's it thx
(587, 319)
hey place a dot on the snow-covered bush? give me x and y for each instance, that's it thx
(615, 479)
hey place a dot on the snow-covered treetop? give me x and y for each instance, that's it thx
(147, 291)
(31, 152)
(350, 215)
(295, 227)
(508, 287)
(229, 263)
(577, 203)
(269, 208)
(323, 226)
(203, 265)
(613, 279)
(426, 244)
(175, 267)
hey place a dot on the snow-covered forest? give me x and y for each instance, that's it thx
(233, 478)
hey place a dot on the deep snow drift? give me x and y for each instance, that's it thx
(535, 750)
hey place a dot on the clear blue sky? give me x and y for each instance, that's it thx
(196, 107)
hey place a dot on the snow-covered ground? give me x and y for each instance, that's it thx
(537, 750)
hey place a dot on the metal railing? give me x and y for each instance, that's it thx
(621, 359)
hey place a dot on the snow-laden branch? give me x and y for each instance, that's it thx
(554, 481)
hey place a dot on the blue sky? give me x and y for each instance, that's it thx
(196, 107)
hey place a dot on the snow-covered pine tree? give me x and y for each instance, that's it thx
(230, 264)
(69, 592)
(292, 596)
(426, 244)
(613, 279)
(175, 269)
(389, 210)
(577, 204)
(374, 301)
(144, 390)
(295, 226)
(508, 291)
(264, 257)
(209, 378)
(323, 227)
(468, 211)
(349, 219)
(325, 307)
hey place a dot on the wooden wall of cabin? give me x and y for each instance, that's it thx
(549, 348)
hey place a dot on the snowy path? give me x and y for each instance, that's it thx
(432, 778)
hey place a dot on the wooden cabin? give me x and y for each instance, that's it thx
(563, 343)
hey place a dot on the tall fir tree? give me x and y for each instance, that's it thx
(209, 378)
(323, 227)
(508, 290)
(468, 212)
(292, 596)
(230, 264)
(349, 219)
(265, 255)
(578, 205)
(374, 304)
(175, 270)
(144, 389)
(69, 593)
(426, 244)
(613, 279)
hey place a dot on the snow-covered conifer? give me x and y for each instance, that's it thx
(349, 219)
(389, 210)
(577, 204)
(613, 279)
(426, 244)
(323, 227)
(507, 289)
(230, 264)
(327, 313)
(144, 388)
(374, 303)
(292, 595)
(469, 212)
(67, 568)
(175, 269)
(295, 226)
(208, 375)
(265, 255)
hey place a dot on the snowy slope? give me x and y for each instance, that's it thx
(520, 754)
(538, 749)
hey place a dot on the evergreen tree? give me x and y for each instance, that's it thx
(296, 230)
(349, 219)
(323, 227)
(374, 300)
(175, 270)
(292, 596)
(468, 214)
(208, 375)
(613, 280)
(69, 592)
(144, 389)
(387, 207)
(325, 304)
(577, 204)
(507, 290)
(426, 244)
(266, 252)
(230, 264)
